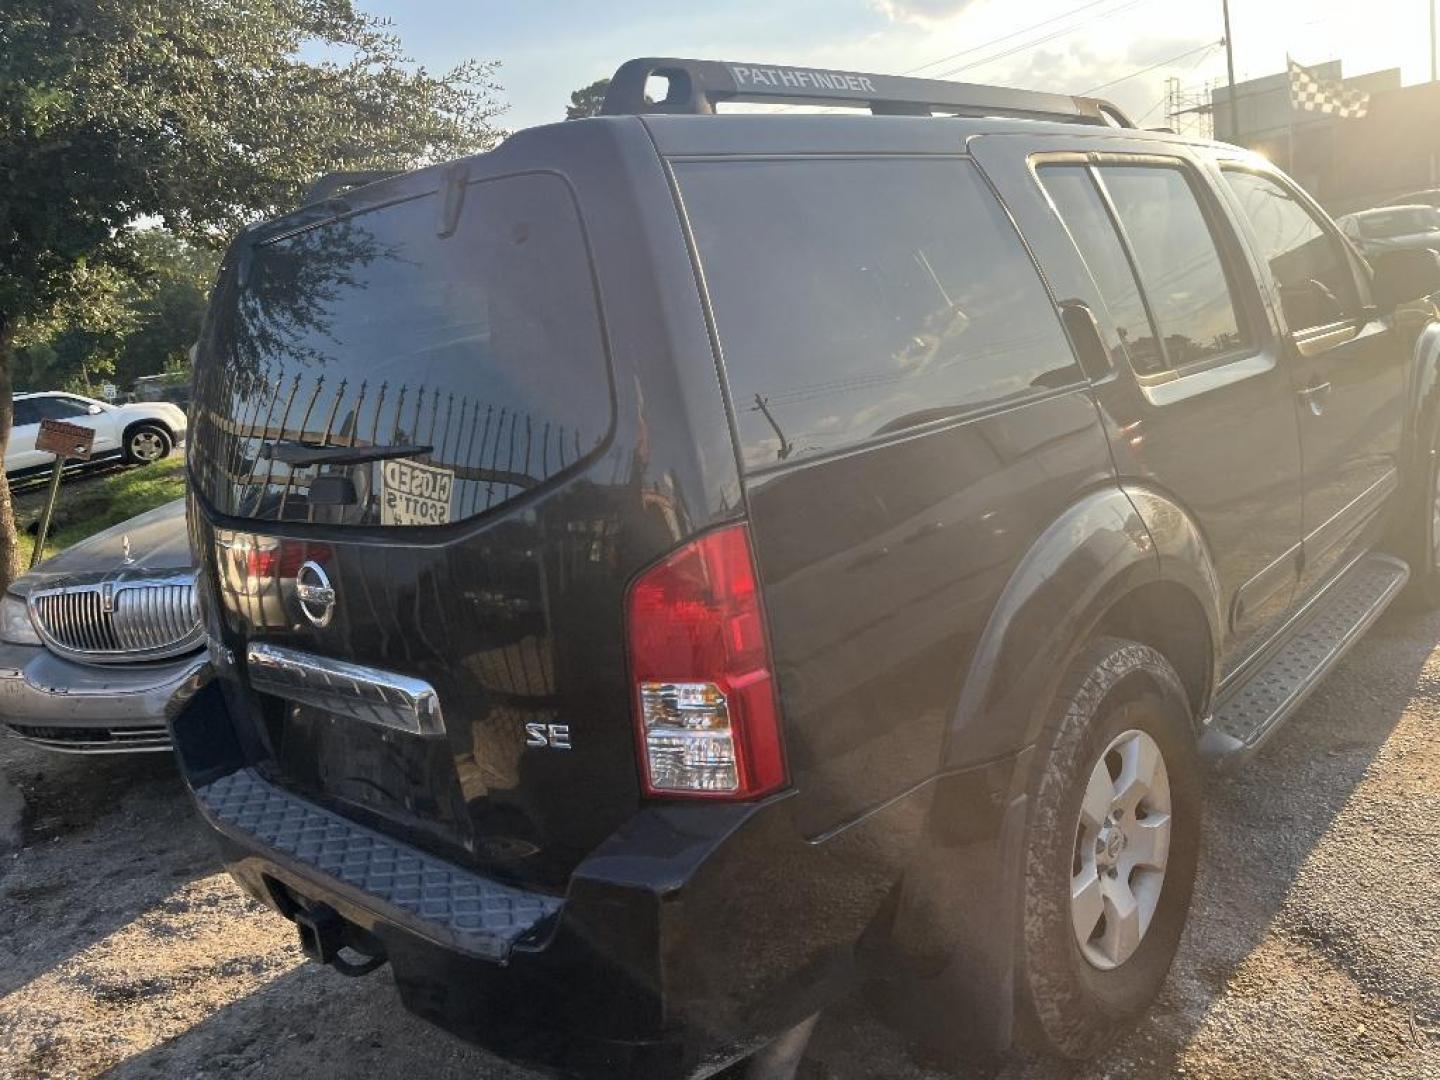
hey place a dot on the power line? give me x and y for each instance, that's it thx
(1150, 111)
(1022, 47)
(1146, 70)
(1025, 45)
(1007, 37)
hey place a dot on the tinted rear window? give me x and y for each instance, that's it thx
(1077, 200)
(373, 330)
(856, 298)
(1178, 260)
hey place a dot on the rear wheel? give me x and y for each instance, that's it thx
(145, 443)
(1111, 849)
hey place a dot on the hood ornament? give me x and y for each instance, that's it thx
(125, 556)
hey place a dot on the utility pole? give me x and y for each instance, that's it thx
(1434, 75)
(1234, 131)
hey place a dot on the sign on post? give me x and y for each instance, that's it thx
(64, 441)
(109, 391)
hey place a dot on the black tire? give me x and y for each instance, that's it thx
(1067, 1004)
(1419, 540)
(145, 443)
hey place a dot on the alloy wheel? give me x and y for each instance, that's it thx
(1122, 845)
(147, 445)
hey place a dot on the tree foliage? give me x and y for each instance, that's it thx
(201, 115)
(587, 100)
(124, 325)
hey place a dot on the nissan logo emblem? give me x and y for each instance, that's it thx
(315, 593)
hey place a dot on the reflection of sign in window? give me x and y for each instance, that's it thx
(65, 440)
(414, 494)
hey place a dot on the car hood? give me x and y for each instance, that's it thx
(149, 543)
(1408, 240)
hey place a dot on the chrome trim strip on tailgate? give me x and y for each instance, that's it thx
(364, 693)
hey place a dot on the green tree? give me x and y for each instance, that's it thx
(587, 100)
(201, 114)
(126, 325)
(168, 305)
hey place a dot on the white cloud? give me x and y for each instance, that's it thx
(924, 12)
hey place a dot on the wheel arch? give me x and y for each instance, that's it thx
(1122, 560)
(147, 421)
(144, 421)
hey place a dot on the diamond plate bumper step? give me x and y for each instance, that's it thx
(392, 881)
(1320, 634)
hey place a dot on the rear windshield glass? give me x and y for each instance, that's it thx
(859, 298)
(471, 365)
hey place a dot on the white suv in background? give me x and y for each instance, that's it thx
(140, 433)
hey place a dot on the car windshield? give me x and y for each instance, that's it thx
(1401, 221)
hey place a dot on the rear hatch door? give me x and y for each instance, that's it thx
(397, 402)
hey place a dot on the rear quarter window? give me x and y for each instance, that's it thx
(858, 298)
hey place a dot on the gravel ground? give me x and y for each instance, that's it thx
(1313, 949)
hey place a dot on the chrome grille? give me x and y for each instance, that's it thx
(123, 620)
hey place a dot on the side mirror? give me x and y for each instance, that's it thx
(1405, 275)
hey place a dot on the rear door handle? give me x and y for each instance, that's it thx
(1315, 397)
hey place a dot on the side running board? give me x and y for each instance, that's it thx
(1247, 713)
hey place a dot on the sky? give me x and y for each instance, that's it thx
(548, 48)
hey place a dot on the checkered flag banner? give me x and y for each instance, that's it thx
(1309, 93)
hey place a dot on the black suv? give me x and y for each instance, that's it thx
(673, 564)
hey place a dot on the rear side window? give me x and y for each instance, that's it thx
(26, 412)
(1178, 261)
(1310, 266)
(856, 298)
(1078, 202)
(482, 347)
(60, 408)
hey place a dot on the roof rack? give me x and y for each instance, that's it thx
(696, 86)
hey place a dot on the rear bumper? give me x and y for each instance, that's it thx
(89, 708)
(684, 942)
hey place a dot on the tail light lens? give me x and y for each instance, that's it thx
(705, 707)
(252, 564)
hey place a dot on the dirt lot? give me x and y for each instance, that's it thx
(1314, 949)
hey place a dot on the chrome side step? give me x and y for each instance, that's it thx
(1250, 711)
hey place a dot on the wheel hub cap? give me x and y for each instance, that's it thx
(1109, 844)
(1122, 845)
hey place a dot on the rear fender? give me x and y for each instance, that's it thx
(1094, 553)
(956, 911)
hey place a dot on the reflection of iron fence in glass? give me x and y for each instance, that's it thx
(493, 452)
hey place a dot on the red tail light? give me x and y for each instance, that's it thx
(705, 711)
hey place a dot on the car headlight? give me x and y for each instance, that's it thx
(15, 624)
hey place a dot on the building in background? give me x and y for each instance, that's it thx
(1348, 164)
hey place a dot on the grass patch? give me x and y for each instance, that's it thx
(88, 504)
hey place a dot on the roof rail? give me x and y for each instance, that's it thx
(335, 183)
(696, 86)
